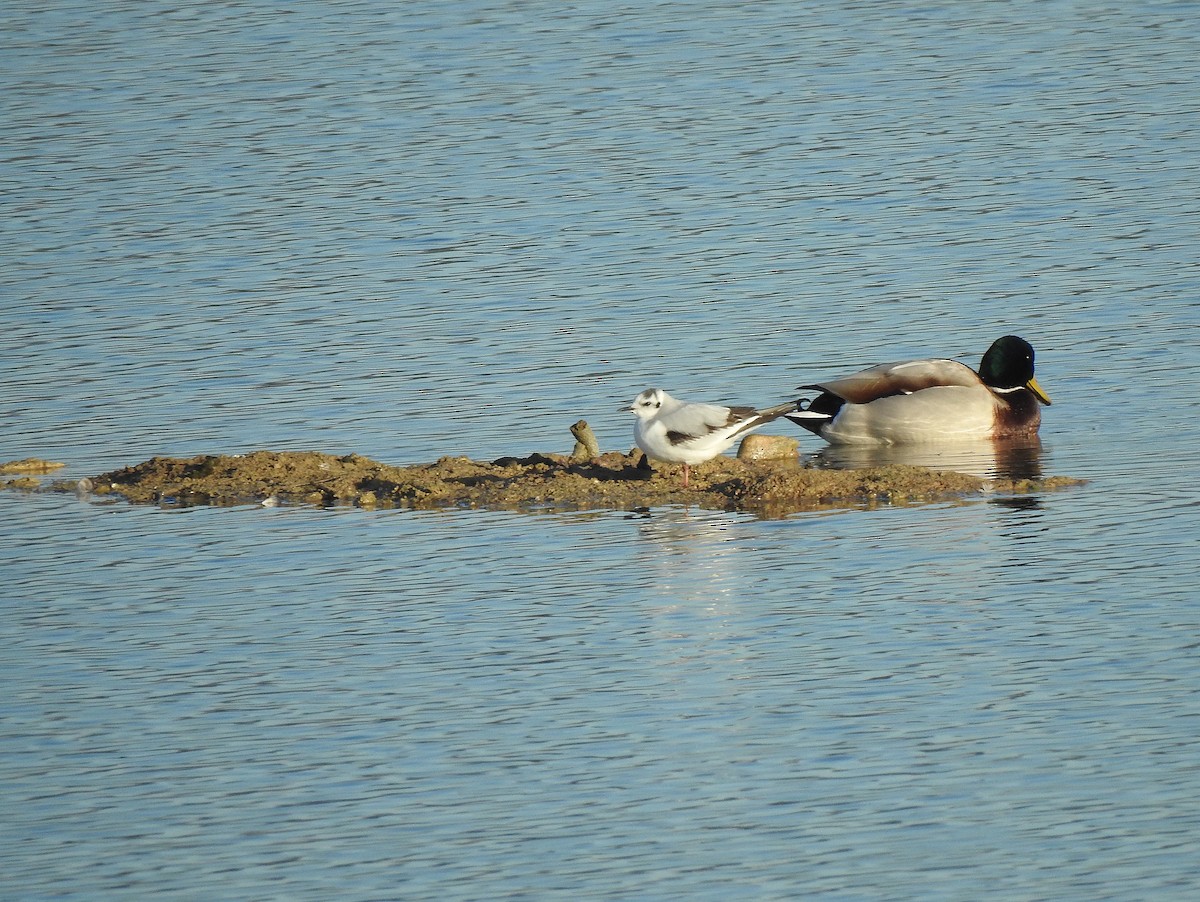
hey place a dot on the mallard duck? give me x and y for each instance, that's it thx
(930, 400)
(687, 432)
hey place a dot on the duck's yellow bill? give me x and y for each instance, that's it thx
(1033, 386)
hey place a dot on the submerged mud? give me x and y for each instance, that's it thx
(30, 465)
(609, 481)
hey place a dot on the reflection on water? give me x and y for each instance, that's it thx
(986, 459)
(693, 554)
(1018, 502)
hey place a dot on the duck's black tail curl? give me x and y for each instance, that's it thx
(814, 414)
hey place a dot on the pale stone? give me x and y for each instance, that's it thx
(768, 447)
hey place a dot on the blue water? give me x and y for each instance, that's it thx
(425, 229)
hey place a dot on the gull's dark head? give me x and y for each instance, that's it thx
(648, 403)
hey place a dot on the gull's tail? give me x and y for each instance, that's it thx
(779, 410)
(766, 415)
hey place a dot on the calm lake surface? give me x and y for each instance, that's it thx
(420, 229)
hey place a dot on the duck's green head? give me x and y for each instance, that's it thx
(1008, 364)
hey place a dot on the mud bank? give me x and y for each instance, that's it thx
(30, 465)
(610, 481)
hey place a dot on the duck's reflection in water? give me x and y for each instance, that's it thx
(987, 459)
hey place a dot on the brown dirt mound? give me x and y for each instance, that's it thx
(610, 481)
(30, 465)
